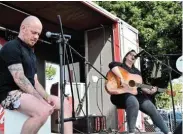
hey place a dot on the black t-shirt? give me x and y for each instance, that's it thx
(14, 52)
(132, 70)
(140, 96)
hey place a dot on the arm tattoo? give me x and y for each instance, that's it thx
(21, 80)
(39, 88)
(37, 95)
(15, 68)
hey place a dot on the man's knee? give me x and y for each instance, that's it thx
(43, 113)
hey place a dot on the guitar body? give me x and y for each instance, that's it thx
(113, 86)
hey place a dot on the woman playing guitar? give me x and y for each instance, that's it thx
(125, 95)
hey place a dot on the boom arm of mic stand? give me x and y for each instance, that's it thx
(86, 61)
(96, 69)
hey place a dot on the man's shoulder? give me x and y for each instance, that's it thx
(14, 42)
(10, 47)
(10, 44)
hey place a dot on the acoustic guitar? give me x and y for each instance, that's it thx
(132, 82)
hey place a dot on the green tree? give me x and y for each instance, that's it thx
(163, 100)
(50, 72)
(159, 23)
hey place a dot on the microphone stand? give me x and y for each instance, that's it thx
(61, 41)
(170, 78)
(62, 52)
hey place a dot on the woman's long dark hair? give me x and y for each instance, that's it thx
(124, 59)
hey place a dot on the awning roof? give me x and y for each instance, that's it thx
(76, 15)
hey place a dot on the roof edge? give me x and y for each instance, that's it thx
(101, 10)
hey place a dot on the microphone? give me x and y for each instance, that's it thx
(139, 54)
(52, 35)
(56, 35)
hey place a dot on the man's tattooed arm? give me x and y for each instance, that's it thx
(40, 88)
(21, 80)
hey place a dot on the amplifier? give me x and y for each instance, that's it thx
(96, 124)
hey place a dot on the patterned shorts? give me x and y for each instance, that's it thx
(12, 101)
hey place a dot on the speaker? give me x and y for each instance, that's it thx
(96, 124)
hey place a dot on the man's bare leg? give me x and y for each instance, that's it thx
(38, 110)
(68, 126)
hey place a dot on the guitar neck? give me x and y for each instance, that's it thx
(143, 86)
(149, 87)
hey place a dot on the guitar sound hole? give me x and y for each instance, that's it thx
(131, 83)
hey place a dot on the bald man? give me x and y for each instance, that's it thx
(19, 86)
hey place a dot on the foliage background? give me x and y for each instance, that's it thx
(50, 72)
(159, 23)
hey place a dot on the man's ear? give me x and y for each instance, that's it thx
(22, 28)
